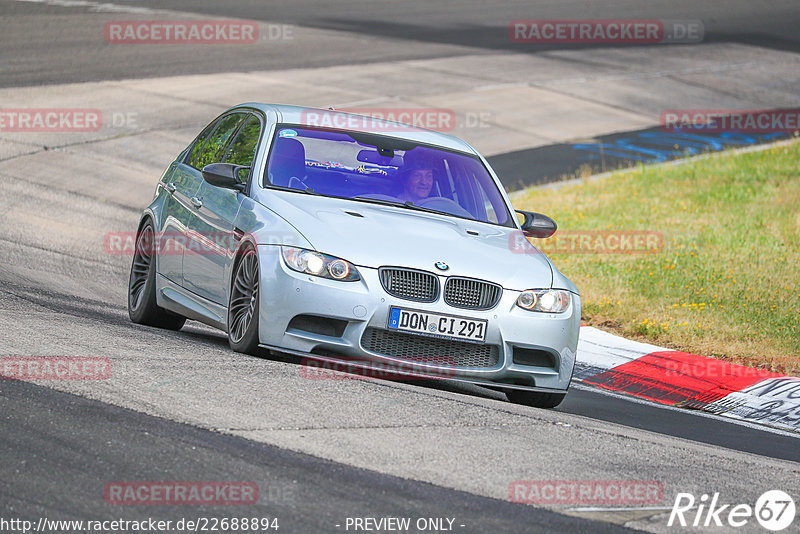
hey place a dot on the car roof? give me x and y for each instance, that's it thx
(309, 116)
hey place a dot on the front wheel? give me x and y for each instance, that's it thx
(537, 399)
(243, 306)
(142, 306)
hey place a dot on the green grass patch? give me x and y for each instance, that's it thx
(725, 283)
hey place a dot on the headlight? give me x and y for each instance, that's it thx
(310, 262)
(544, 300)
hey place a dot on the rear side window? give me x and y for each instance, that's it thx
(200, 142)
(214, 148)
(242, 149)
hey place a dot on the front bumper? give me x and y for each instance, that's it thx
(363, 307)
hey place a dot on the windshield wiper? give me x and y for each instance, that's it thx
(306, 190)
(407, 204)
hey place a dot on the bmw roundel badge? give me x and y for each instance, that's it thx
(442, 266)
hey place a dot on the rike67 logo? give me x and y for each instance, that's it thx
(774, 510)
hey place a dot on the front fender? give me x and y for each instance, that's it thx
(262, 226)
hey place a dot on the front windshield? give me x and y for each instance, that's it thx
(380, 169)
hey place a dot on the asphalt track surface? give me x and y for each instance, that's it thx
(347, 32)
(620, 150)
(46, 443)
(59, 449)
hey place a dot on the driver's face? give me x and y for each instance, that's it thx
(419, 183)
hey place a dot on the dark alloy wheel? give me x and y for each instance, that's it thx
(243, 307)
(142, 306)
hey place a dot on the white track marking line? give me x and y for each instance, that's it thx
(97, 7)
(624, 509)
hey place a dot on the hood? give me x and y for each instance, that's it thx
(372, 235)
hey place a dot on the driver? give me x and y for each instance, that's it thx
(417, 180)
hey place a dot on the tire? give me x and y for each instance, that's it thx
(142, 306)
(536, 399)
(243, 304)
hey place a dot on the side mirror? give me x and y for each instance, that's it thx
(537, 225)
(225, 175)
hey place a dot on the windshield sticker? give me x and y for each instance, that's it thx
(287, 133)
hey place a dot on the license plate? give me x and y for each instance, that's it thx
(437, 324)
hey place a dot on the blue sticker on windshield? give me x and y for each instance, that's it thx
(287, 133)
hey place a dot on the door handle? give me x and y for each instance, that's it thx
(197, 203)
(170, 187)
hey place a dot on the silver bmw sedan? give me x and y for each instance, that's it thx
(358, 241)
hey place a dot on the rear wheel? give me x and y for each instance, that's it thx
(243, 307)
(536, 399)
(142, 306)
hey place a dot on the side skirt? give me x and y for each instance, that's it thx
(177, 299)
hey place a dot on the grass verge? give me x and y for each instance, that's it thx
(722, 276)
